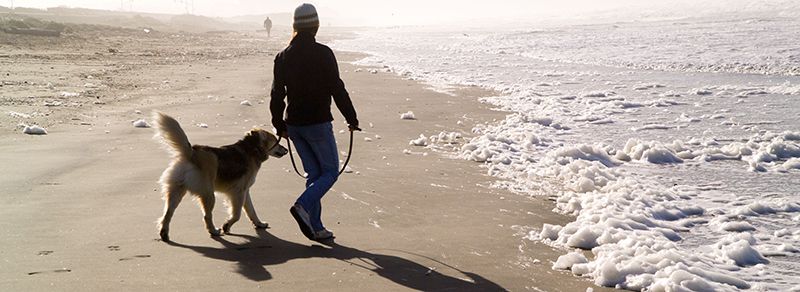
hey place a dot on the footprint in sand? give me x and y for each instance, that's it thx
(44, 253)
(64, 270)
(139, 256)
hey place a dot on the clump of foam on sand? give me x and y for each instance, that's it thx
(407, 116)
(422, 141)
(141, 124)
(34, 130)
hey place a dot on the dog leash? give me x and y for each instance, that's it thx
(276, 144)
(291, 156)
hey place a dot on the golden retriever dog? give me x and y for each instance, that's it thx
(204, 170)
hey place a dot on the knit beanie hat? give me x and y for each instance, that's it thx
(305, 16)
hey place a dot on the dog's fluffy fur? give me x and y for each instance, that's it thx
(202, 170)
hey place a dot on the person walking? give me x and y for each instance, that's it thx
(268, 25)
(306, 75)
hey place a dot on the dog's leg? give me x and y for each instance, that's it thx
(237, 200)
(251, 213)
(207, 201)
(174, 195)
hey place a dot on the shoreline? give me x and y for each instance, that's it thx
(82, 202)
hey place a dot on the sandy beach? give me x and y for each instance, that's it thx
(81, 202)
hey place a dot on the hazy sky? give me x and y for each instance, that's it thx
(370, 11)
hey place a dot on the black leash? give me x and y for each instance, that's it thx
(349, 152)
(291, 156)
(289, 143)
(276, 144)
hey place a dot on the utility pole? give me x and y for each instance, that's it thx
(122, 5)
(189, 5)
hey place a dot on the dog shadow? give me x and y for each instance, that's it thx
(252, 259)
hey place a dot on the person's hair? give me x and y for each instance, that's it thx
(297, 31)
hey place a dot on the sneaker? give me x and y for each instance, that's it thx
(303, 220)
(323, 234)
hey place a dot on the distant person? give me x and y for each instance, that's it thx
(268, 25)
(307, 76)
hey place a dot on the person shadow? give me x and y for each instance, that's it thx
(252, 258)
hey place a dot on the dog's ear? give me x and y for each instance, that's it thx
(257, 129)
(260, 129)
(268, 139)
(251, 133)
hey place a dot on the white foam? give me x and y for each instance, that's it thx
(792, 163)
(624, 220)
(788, 247)
(19, 115)
(34, 130)
(141, 124)
(407, 116)
(737, 226)
(567, 261)
(421, 141)
(736, 249)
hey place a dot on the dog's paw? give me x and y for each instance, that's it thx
(164, 235)
(215, 232)
(226, 228)
(261, 225)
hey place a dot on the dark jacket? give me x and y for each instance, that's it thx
(307, 76)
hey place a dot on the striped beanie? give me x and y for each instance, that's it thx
(305, 16)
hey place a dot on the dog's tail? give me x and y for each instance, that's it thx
(169, 132)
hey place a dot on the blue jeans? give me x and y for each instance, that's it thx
(316, 147)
